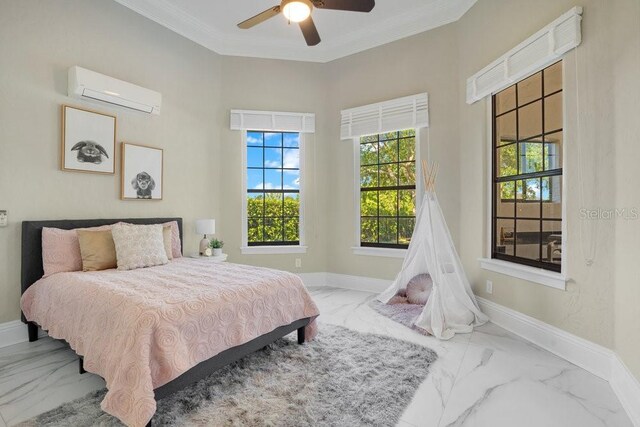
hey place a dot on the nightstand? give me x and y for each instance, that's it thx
(221, 258)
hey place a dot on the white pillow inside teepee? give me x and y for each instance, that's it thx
(419, 289)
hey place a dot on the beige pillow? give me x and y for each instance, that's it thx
(139, 246)
(97, 250)
(167, 238)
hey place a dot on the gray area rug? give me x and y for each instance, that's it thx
(342, 378)
(402, 312)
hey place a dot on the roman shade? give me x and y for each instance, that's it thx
(272, 121)
(538, 51)
(409, 112)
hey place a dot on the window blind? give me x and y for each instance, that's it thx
(409, 112)
(538, 51)
(272, 121)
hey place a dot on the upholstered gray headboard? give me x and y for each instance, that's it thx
(32, 240)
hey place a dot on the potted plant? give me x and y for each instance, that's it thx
(216, 245)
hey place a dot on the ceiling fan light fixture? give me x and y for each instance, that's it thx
(296, 10)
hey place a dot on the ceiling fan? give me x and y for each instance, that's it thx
(300, 11)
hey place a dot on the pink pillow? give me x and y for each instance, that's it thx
(176, 247)
(61, 249)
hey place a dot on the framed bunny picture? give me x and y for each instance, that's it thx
(88, 141)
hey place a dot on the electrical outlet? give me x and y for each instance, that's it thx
(489, 287)
(298, 263)
(3, 218)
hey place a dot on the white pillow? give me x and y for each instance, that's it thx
(138, 246)
(419, 289)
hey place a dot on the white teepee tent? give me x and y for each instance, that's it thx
(452, 307)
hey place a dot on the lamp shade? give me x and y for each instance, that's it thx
(206, 226)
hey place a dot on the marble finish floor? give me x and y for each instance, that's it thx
(487, 378)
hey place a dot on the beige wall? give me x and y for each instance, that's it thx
(596, 304)
(422, 63)
(586, 308)
(626, 92)
(272, 85)
(38, 42)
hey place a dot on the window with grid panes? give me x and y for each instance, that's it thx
(273, 188)
(387, 189)
(527, 170)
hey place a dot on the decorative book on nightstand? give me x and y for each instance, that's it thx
(220, 258)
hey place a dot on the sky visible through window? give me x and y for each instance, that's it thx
(273, 188)
(279, 151)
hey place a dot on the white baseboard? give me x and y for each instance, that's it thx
(345, 281)
(592, 357)
(15, 332)
(314, 279)
(627, 388)
(586, 354)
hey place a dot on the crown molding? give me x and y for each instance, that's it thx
(432, 15)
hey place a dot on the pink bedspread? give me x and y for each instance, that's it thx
(140, 329)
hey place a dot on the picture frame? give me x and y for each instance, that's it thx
(88, 142)
(142, 172)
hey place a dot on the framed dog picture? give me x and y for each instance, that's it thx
(141, 172)
(88, 141)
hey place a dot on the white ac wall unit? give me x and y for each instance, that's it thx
(87, 84)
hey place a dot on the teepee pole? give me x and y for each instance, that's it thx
(429, 173)
(436, 167)
(425, 172)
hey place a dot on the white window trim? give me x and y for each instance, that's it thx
(245, 249)
(357, 249)
(560, 36)
(520, 271)
(382, 252)
(532, 274)
(273, 250)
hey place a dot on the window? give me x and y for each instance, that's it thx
(527, 171)
(387, 189)
(273, 188)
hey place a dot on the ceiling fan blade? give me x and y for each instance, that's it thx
(259, 18)
(310, 32)
(350, 5)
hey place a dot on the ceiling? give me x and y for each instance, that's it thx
(212, 23)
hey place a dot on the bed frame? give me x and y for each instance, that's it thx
(32, 271)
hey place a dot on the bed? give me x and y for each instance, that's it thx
(151, 332)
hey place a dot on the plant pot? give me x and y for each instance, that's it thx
(217, 251)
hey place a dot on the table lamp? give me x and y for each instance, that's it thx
(204, 227)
